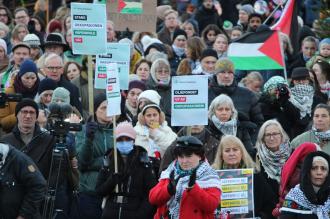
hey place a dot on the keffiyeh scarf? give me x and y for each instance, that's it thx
(296, 202)
(321, 136)
(206, 177)
(302, 98)
(325, 88)
(227, 128)
(273, 162)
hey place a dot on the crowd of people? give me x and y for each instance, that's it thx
(274, 122)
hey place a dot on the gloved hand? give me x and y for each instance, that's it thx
(117, 178)
(91, 128)
(283, 94)
(192, 178)
(171, 187)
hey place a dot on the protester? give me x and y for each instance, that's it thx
(311, 198)
(208, 59)
(231, 154)
(194, 49)
(273, 150)
(142, 69)
(92, 142)
(134, 178)
(220, 45)
(72, 70)
(322, 54)
(135, 88)
(321, 70)
(189, 187)
(165, 35)
(209, 34)
(34, 42)
(243, 16)
(178, 49)
(190, 26)
(4, 59)
(319, 133)
(207, 14)
(18, 172)
(254, 82)
(45, 92)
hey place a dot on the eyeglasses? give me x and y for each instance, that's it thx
(274, 135)
(54, 68)
(25, 112)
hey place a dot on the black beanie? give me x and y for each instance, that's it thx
(209, 52)
(300, 73)
(46, 84)
(179, 32)
(98, 99)
(26, 102)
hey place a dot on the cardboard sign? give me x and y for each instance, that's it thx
(116, 53)
(236, 194)
(189, 100)
(113, 90)
(88, 24)
(137, 15)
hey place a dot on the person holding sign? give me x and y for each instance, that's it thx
(134, 179)
(311, 198)
(231, 154)
(153, 133)
(189, 187)
(225, 120)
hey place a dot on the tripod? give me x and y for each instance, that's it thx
(59, 152)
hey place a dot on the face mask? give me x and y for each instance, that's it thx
(125, 147)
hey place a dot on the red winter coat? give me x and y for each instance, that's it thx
(196, 203)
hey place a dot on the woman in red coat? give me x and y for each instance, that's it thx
(189, 187)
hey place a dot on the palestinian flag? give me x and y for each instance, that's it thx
(257, 51)
(288, 23)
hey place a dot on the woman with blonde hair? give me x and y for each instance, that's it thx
(231, 154)
(253, 81)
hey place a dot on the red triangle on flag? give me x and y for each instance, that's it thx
(272, 48)
(121, 5)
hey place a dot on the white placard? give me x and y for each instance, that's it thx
(113, 90)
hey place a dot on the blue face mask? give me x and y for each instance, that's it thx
(125, 147)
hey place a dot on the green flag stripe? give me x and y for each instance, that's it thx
(254, 63)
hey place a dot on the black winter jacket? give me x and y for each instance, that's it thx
(22, 187)
(136, 180)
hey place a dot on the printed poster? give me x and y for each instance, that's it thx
(88, 24)
(113, 90)
(189, 100)
(116, 53)
(236, 193)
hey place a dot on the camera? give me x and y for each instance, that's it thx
(4, 98)
(282, 90)
(56, 120)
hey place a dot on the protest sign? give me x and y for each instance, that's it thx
(116, 53)
(88, 24)
(113, 90)
(236, 193)
(189, 100)
(137, 15)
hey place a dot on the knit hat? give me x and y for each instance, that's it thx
(3, 44)
(125, 129)
(209, 52)
(324, 41)
(55, 39)
(61, 94)
(46, 84)
(151, 105)
(26, 102)
(273, 82)
(150, 95)
(32, 40)
(137, 84)
(179, 32)
(53, 25)
(160, 11)
(300, 73)
(27, 66)
(18, 45)
(149, 43)
(223, 65)
(247, 8)
(227, 25)
(289, 167)
(98, 99)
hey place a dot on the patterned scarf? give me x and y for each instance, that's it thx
(325, 88)
(273, 162)
(227, 128)
(296, 201)
(321, 136)
(26, 92)
(206, 177)
(302, 98)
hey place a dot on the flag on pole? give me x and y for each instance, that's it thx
(257, 51)
(288, 23)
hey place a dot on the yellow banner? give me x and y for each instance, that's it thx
(234, 188)
(234, 203)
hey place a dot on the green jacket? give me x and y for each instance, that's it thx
(90, 156)
(309, 137)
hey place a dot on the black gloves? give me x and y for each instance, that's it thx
(91, 128)
(171, 187)
(192, 179)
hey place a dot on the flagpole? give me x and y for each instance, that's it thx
(273, 12)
